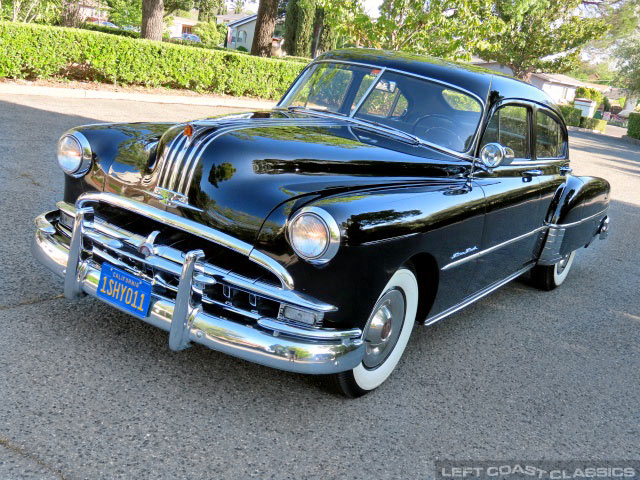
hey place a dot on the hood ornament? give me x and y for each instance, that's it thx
(173, 199)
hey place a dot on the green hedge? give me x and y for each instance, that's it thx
(593, 124)
(571, 115)
(633, 127)
(37, 51)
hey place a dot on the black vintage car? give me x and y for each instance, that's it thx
(385, 189)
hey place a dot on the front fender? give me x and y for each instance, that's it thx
(381, 230)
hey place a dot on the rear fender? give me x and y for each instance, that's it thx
(575, 215)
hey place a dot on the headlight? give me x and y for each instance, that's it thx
(74, 154)
(314, 235)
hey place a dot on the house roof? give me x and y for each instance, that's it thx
(229, 17)
(242, 21)
(560, 78)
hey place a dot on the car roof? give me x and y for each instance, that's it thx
(474, 79)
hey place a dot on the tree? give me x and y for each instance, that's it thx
(629, 74)
(238, 6)
(208, 9)
(265, 25)
(298, 27)
(152, 19)
(125, 12)
(536, 35)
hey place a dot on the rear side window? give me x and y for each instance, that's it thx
(509, 126)
(549, 138)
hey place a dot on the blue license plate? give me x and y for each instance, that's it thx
(124, 290)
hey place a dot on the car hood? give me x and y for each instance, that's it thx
(232, 171)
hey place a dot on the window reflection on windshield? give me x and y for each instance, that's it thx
(435, 113)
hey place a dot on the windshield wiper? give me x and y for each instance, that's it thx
(300, 108)
(390, 130)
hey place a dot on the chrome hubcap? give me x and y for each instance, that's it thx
(562, 264)
(384, 328)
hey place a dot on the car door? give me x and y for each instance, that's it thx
(514, 212)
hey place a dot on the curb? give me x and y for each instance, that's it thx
(581, 129)
(635, 141)
(9, 88)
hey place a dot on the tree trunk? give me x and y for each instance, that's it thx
(265, 25)
(152, 19)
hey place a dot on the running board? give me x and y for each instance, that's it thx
(476, 296)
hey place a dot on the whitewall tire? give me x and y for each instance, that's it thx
(548, 277)
(386, 335)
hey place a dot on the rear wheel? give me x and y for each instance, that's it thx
(548, 277)
(386, 335)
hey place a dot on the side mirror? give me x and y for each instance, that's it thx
(493, 155)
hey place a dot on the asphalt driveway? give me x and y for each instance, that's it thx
(88, 392)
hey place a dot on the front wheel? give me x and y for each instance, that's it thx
(548, 277)
(385, 335)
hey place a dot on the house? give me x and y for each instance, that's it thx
(180, 25)
(93, 11)
(562, 88)
(240, 32)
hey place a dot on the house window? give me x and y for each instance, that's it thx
(233, 36)
(242, 36)
(186, 28)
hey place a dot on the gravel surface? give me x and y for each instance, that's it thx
(88, 392)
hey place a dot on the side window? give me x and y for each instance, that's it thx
(509, 126)
(386, 100)
(549, 139)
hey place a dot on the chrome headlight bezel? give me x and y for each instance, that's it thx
(332, 230)
(72, 167)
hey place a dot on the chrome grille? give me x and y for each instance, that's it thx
(227, 283)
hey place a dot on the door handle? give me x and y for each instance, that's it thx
(533, 173)
(565, 169)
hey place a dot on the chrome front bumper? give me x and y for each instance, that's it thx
(268, 342)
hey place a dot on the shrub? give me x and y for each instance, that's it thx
(37, 51)
(242, 49)
(633, 127)
(209, 34)
(606, 104)
(571, 115)
(593, 124)
(590, 93)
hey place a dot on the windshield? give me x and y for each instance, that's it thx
(435, 113)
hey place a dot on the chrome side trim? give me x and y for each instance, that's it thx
(578, 222)
(475, 297)
(493, 249)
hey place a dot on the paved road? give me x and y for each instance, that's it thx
(88, 392)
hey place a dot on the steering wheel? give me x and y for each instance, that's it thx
(446, 136)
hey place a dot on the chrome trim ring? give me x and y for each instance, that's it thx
(383, 329)
(87, 155)
(333, 232)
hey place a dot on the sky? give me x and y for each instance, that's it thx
(370, 6)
